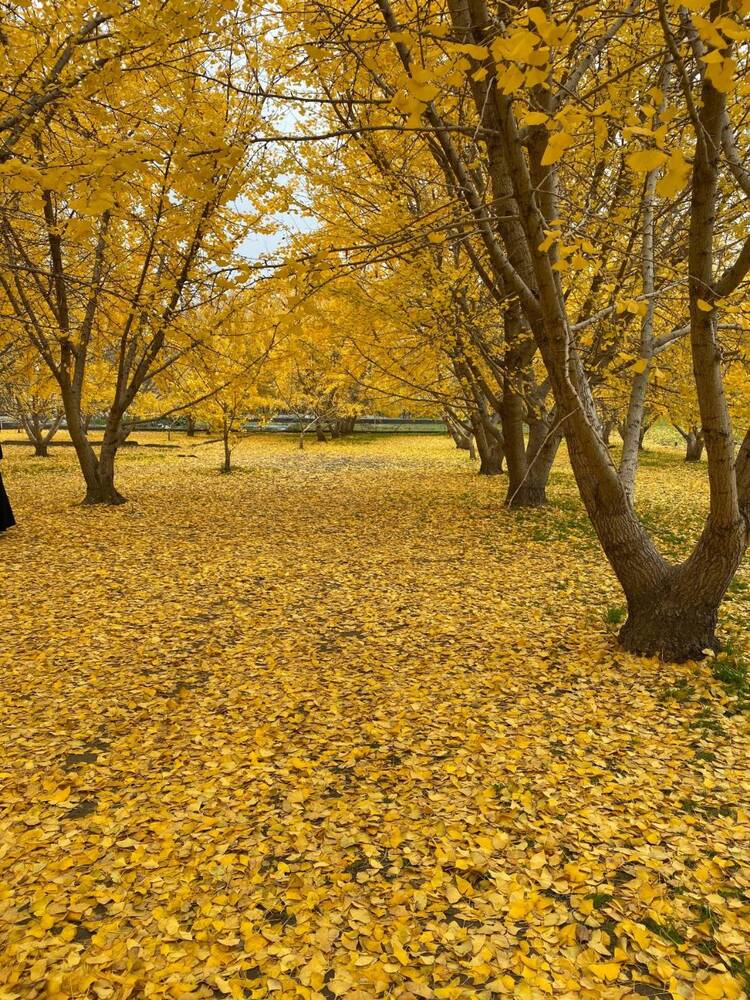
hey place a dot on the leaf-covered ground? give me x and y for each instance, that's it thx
(341, 726)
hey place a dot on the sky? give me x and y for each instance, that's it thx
(259, 246)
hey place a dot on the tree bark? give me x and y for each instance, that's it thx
(226, 467)
(462, 438)
(660, 623)
(489, 446)
(38, 435)
(529, 465)
(673, 613)
(694, 445)
(98, 472)
(608, 425)
(105, 473)
(530, 489)
(491, 460)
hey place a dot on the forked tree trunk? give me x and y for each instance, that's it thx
(463, 440)
(529, 465)
(673, 615)
(98, 471)
(694, 442)
(489, 446)
(345, 426)
(40, 436)
(491, 460)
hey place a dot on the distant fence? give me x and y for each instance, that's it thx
(284, 423)
(363, 425)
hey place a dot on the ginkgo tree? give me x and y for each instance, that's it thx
(221, 380)
(403, 224)
(29, 392)
(120, 216)
(535, 105)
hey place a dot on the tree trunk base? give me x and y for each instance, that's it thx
(490, 468)
(103, 495)
(526, 495)
(671, 634)
(693, 445)
(40, 451)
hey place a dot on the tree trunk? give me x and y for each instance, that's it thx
(659, 624)
(463, 440)
(693, 445)
(515, 451)
(530, 466)
(98, 473)
(227, 464)
(33, 424)
(453, 430)
(544, 443)
(489, 447)
(673, 613)
(106, 492)
(633, 429)
(191, 427)
(635, 423)
(344, 426)
(608, 426)
(491, 461)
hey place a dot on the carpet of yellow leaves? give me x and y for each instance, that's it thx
(340, 726)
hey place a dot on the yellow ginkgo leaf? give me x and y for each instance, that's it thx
(676, 175)
(557, 143)
(607, 971)
(646, 159)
